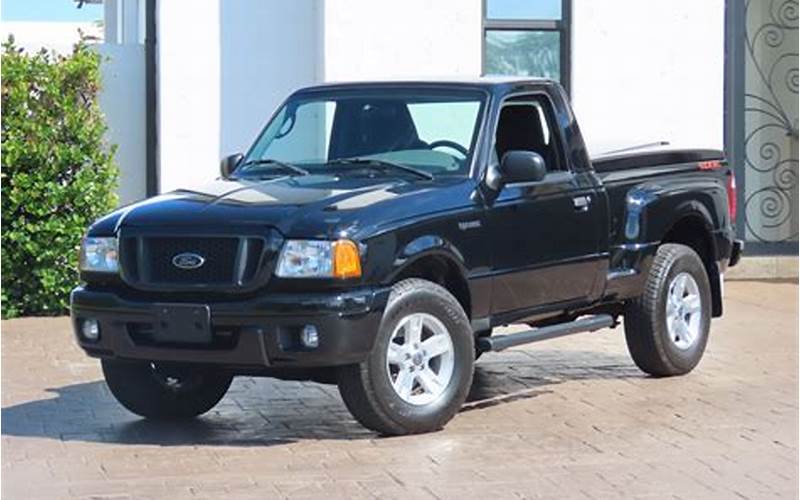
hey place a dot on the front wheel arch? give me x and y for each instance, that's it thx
(367, 387)
(440, 267)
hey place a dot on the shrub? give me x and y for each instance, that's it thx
(58, 173)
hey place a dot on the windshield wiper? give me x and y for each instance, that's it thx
(382, 163)
(282, 164)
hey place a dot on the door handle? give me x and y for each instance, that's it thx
(581, 203)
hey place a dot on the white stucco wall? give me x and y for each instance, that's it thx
(188, 92)
(378, 39)
(648, 71)
(642, 71)
(223, 68)
(268, 48)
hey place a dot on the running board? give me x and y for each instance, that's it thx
(587, 324)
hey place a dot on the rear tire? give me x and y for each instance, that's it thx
(165, 392)
(666, 329)
(418, 385)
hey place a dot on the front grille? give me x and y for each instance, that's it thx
(219, 254)
(230, 262)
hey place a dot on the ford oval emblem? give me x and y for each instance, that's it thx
(188, 260)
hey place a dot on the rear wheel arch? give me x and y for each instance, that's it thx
(667, 327)
(695, 231)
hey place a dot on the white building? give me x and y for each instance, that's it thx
(192, 81)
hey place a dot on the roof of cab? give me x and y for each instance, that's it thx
(490, 83)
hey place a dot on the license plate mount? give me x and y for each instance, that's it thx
(183, 323)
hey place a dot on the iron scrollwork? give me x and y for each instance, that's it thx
(771, 120)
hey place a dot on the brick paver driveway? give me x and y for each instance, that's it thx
(567, 418)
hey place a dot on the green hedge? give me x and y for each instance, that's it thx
(58, 174)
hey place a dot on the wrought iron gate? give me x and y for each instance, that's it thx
(770, 205)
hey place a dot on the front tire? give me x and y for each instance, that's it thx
(666, 329)
(165, 392)
(420, 369)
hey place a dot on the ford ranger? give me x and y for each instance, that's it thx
(376, 233)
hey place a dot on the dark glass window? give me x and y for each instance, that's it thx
(529, 53)
(527, 38)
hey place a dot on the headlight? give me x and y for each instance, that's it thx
(319, 259)
(99, 255)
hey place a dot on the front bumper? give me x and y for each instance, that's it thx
(246, 335)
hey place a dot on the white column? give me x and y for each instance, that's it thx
(188, 78)
(111, 22)
(122, 97)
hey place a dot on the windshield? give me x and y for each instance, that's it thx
(391, 132)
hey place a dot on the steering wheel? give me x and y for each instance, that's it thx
(444, 143)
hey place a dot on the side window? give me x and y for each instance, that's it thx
(526, 124)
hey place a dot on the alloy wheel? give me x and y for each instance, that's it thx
(420, 359)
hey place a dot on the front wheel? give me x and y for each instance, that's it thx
(419, 371)
(165, 391)
(666, 329)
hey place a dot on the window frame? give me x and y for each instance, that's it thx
(562, 26)
(548, 108)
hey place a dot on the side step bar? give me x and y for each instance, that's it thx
(587, 324)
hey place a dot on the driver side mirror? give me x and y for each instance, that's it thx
(228, 164)
(516, 166)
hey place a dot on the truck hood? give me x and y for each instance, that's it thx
(314, 206)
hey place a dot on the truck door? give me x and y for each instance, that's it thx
(546, 234)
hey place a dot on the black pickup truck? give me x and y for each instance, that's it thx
(376, 233)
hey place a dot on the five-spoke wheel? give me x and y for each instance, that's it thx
(419, 358)
(684, 311)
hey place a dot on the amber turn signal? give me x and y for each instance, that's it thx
(346, 260)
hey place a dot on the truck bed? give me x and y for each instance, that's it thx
(652, 158)
(646, 191)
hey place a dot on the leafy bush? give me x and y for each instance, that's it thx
(58, 173)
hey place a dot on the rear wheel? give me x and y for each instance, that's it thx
(666, 329)
(165, 391)
(420, 369)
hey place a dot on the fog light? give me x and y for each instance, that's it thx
(310, 337)
(90, 328)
